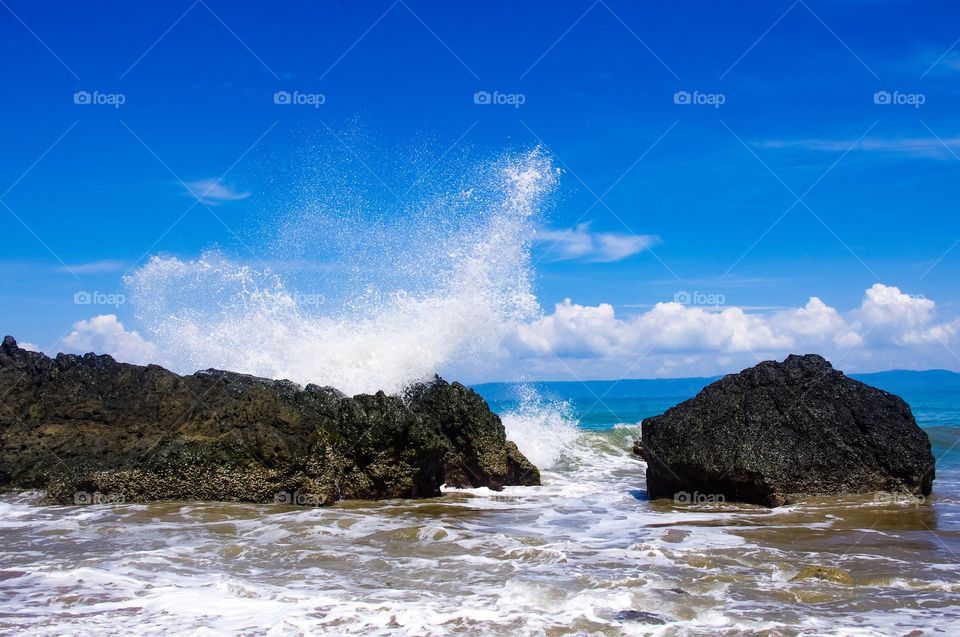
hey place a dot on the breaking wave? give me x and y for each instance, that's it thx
(543, 430)
(388, 300)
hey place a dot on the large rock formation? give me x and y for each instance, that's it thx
(87, 428)
(778, 431)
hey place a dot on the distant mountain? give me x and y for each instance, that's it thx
(591, 389)
(902, 380)
(895, 381)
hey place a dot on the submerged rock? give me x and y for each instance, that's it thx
(826, 573)
(640, 616)
(778, 431)
(90, 429)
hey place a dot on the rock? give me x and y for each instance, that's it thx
(779, 431)
(639, 616)
(827, 573)
(90, 429)
(638, 448)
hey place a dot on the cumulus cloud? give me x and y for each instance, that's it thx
(603, 247)
(105, 334)
(213, 191)
(889, 314)
(889, 329)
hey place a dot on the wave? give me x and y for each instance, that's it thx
(443, 282)
(543, 430)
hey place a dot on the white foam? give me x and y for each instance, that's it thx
(542, 430)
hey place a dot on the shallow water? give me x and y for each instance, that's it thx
(564, 558)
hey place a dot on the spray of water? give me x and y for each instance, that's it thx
(441, 288)
(542, 429)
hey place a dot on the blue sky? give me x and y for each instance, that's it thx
(799, 184)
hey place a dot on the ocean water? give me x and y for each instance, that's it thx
(566, 558)
(438, 283)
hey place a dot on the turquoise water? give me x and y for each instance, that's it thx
(938, 413)
(569, 557)
(601, 405)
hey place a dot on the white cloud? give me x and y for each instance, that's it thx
(923, 147)
(105, 334)
(213, 191)
(585, 331)
(889, 329)
(952, 61)
(94, 267)
(935, 61)
(888, 313)
(816, 324)
(603, 247)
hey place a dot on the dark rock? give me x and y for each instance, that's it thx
(639, 616)
(778, 431)
(638, 448)
(87, 428)
(825, 573)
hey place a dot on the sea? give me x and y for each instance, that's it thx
(586, 553)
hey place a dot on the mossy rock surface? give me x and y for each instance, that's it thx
(826, 573)
(87, 428)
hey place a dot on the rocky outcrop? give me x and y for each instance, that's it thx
(778, 431)
(825, 573)
(87, 428)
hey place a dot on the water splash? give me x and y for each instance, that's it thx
(441, 287)
(543, 430)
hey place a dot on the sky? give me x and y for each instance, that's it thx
(737, 180)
